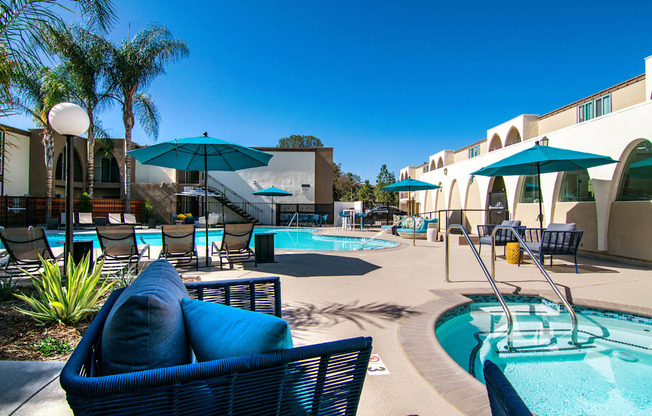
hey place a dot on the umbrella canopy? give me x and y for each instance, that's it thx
(196, 193)
(410, 185)
(272, 192)
(543, 159)
(201, 154)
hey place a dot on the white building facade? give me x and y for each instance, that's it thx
(612, 204)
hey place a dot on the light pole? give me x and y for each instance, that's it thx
(69, 120)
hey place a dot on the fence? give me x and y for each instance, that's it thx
(321, 209)
(23, 211)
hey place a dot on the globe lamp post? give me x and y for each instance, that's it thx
(69, 120)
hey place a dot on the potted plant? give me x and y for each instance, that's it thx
(85, 203)
(148, 210)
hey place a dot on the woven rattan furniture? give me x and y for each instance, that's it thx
(23, 247)
(503, 399)
(120, 249)
(234, 247)
(322, 379)
(179, 244)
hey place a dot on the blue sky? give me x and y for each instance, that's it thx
(383, 82)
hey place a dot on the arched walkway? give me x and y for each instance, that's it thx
(495, 143)
(513, 137)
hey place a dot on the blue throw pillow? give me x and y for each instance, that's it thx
(217, 331)
(145, 327)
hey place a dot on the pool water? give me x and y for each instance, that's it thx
(610, 374)
(291, 239)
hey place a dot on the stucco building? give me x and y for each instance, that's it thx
(611, 203)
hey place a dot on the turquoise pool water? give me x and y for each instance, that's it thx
(292, 239)
(610, 375)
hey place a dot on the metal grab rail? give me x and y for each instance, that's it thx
(508, 314)
(296, 215)
(539, 265)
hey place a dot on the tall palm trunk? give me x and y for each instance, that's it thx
(90, 154)
(48, 146)
(128, 119)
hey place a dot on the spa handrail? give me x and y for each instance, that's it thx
(522, 244)
(508, 314)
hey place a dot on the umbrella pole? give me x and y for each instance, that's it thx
(206, 200)
(414, 219)
(539, 188)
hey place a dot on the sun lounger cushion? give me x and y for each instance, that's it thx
(145, 329)
(218, 331)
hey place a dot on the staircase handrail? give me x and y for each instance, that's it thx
(232, 196)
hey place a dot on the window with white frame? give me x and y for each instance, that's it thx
(474, 151)
(426, 168)
(594, 108)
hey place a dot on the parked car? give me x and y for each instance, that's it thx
(382, 213)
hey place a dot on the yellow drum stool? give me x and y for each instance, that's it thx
(512, 253)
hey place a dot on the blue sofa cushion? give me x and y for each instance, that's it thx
(145, 327)
(218, 331)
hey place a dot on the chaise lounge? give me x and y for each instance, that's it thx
(135, 356)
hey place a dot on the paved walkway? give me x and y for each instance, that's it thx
(329, 296)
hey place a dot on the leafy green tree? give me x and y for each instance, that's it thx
(299, 141)
(366, 194)
(86, 56)
(23, 35)
(37, 91)
(135, 64)
(384, 178)
(344, 184)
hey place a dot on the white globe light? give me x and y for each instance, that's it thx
(68, 119)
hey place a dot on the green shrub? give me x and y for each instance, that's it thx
(51, 346)
(7, 286)
(69, 302)
(148, 209)
(85, 204)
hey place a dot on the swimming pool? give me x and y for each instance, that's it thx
(290, 239)
(609, 375)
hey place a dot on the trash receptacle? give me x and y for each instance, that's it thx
(512, 253)
(80, 249)
(264, 243)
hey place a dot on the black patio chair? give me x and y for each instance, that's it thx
(24, 246)
(119, 247)
(556, 240)
(179, 244)
(234, 247)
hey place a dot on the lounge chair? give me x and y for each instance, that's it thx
(85, 220)
(119, 248)
(503, 236)
(115, 219)
(503, 399)
(130, 219)
(320, 379)
(179, 244)
(407, 225)
(557, 239)
(234, 247)
(62, 223)
(23, 247)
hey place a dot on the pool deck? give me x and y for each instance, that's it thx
(394, 296)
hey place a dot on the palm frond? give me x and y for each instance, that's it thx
(147, 113)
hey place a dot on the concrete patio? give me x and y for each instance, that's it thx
(386, 294)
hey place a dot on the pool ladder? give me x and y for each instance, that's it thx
(492, 277)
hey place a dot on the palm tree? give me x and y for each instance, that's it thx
(37, 91)
(135, 64)
(86, 59)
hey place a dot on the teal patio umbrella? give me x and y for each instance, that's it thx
(272, 192)
(201, 154)
(410, 185)
(543, 159)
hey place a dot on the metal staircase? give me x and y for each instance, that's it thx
(233, 201)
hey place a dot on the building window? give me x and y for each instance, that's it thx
(594, 108)
(474, 151)
(576, 186)
(530, 190)
(60, 168)
(426, 169)
(636, 182)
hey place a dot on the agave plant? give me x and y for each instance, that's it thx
(69, 302)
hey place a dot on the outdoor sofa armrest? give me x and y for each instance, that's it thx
(317, 379)
(532, 234)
